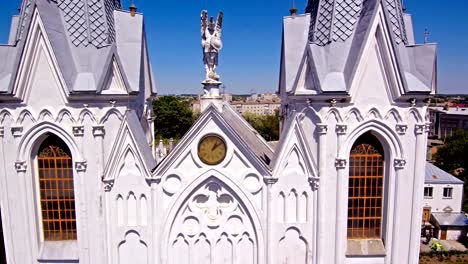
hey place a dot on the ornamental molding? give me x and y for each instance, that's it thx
(401, 129)
(340, 163)
(419, 129)
(78, 131)
(17, 131)
(399, 164)
(322, 129)
(270, 180)
(21, 166)
(2, 131)
(300, 117)
(341, 129)
(80, 166)
(314, 183)
(427, 127)
(108, 185)
(99, 131)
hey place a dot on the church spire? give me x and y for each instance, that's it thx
(334, 20)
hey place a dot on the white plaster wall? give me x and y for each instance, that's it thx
(88, 128)
(438, 203)
(399, 126)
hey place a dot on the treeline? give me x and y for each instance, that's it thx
(174, 117)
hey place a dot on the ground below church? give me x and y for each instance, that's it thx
(451, 259)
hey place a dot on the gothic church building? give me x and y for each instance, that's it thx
(81, 182)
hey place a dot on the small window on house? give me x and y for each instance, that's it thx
(56, 188)
(448, 192)
(428, 192)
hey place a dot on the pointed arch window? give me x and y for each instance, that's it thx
(56, 190)
(366, 185)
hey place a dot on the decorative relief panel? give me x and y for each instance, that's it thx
(292, 248)
(131, 211)
(213, 226)
(292, 208)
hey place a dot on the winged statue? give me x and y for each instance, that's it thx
(211, 44)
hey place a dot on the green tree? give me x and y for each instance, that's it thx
(267, 126)
(173, 117)
(452, 157)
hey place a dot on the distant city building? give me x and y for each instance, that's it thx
(442, 211)
(256, 107)
(270, 97)
(447, 120)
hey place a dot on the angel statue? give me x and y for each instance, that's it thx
(211, 44)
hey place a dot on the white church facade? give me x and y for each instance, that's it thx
(80, 181)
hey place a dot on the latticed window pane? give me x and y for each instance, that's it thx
(366, 168)
(56, 190)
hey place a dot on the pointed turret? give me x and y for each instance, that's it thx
(332, 37)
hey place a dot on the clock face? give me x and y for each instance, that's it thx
(212, 149)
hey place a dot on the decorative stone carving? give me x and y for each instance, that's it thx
(341, 129)
(216, 221)
(172, 184)
(214, 205)
(314, 183)
(17, 131)
(21, 166)
(78, 131)
(270, 180)
(427, 128)
(2, 132)
(322, 129)
(108, 185)
(401, 129)
(333, 102)
(340, 163)
(99, 131)
(399, 164)
(81, 166)
(211, 44)
(252, 182)
(419, 129)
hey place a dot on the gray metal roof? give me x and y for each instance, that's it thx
(436, 175)
(248, 134)
(451, 219)
(327, 42)
(86, 36)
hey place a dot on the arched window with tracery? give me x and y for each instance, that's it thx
(366, 187)
(56, 190)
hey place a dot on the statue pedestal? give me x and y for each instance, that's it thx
(211, 95)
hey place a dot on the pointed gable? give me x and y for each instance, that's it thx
(131, 152)
(337, 35)
(246, 148)
(292, 152)
(84, 36)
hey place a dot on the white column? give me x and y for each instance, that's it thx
(399, 165)
(99, 133)
(418, 183)
(341, 219)
(269, 234)
(5, 205)
(82, 220)
(107, 226)
(321, 224)
(154, 223)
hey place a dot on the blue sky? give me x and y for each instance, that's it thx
(252, 30)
